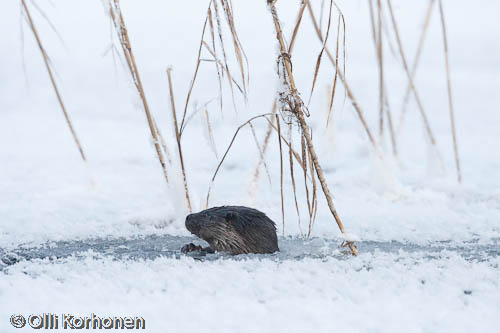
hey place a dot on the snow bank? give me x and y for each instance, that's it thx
(374, 292)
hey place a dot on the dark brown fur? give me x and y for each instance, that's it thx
(233, 229)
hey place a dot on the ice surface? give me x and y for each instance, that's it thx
(384, 289)
(291, 248)
(428, 246)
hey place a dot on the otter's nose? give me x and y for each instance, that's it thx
(191, 223)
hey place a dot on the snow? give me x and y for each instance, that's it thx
(373, 292)
(48, 195)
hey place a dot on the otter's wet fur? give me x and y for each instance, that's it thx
(233, 229)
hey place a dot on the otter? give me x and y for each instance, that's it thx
(233, 229)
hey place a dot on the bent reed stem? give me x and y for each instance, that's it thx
(299, 114)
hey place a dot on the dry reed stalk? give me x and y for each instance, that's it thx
(23, 56)
(450, 96)
(221, 40)
(278, 130)
(229, 77)
(266, 144)
(261, 151)
(427, 126)
(121, 29)
(392, 132)
(388, 38)
(296, 28)
(296, 155)
(281, 174)
(292, 176)
(372, 23)
(196, 110)
(214, 54)
(238, 47)
(52, 80)
(298, 112)
(178, 137)
(318, 61)
(416, 61)
(305, 169)
(380, 56)
(321, 11)
(210, 134)
(162, 142)
(195, 75)
(49, 22)
(227, 151)
(221, 66)
(334, 86)
(384, 93)
(314, 208)
(347, 87)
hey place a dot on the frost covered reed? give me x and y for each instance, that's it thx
(384, 109)
(215, 45)
(178, 138)
(291, 102)
(411, 83)
(341, 75)
(450, 96)
(416, 61)
(52, 79)
(121, 30)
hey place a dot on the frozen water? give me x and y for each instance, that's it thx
(291, 248)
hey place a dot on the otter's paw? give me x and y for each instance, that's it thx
(190, 248)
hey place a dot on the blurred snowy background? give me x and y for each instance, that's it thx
(46, 193)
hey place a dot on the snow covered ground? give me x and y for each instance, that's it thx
(47, 195)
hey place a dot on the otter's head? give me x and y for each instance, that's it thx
(195, 221)
(209, 220)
